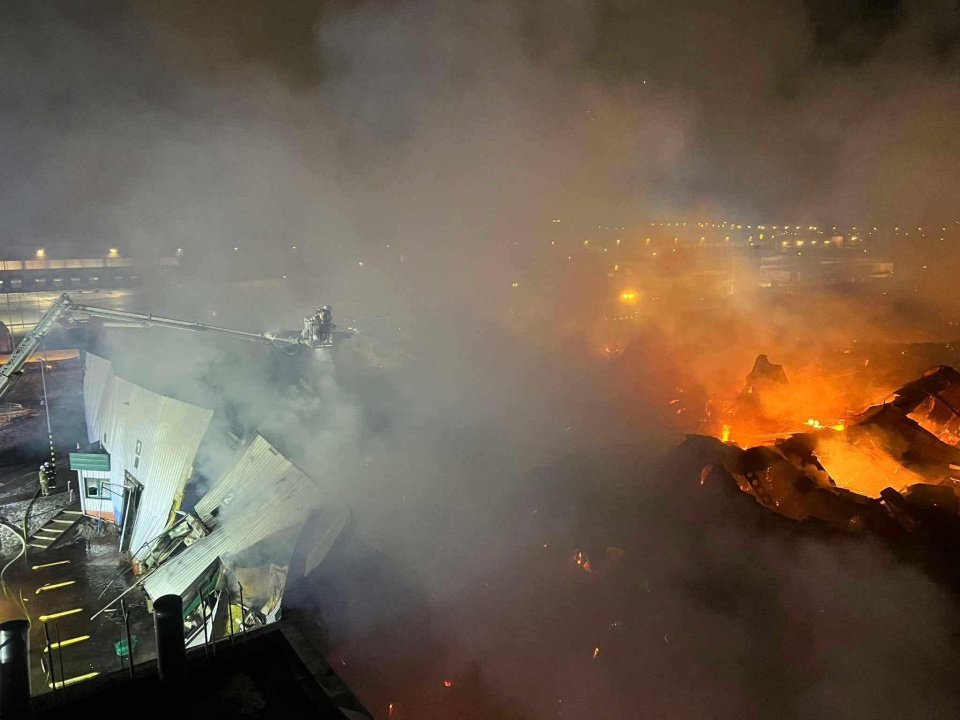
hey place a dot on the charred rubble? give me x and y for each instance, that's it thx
(892, 470)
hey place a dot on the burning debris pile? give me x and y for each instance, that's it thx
(889, 469)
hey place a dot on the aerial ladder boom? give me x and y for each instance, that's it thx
(10, 372)
(131, 319)
(64, 306)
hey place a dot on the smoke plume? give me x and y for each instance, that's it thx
(404, 162)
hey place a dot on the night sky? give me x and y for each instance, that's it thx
(140, 123)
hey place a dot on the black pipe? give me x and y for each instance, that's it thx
(63, 677)
(203, 619)
(168, 627)
(49, 651)
(229, 612)
(126, 624)
(14, 669)
(243, 620)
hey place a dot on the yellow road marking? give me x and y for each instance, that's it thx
(54, 616)
(54, 586)
(58, 562)
(71, 681)
(65, 643)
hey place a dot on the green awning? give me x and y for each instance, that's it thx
(90, 461)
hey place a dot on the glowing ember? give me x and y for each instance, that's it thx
(448, 683)
(582, 560)
(596, 651)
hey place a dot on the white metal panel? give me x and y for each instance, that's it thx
(259, 462)
(97, 385)
(275, 497)
(168, 432)
(113, 440)
(89, 504)
(175, 576)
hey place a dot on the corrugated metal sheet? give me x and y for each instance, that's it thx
(256, 463)
(97, 386)
(261, 494)
(153, 437)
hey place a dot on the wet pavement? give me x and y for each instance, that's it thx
(60, 591)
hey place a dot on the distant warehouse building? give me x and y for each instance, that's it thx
(43, 274)
(791, 270)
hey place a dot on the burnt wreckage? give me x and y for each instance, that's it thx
(893, 470)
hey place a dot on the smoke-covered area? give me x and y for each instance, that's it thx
(407, 161)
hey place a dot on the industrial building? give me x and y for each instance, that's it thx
(227, 559)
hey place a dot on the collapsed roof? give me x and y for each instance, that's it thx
(152, 440)
(262, 513)
(261, 494)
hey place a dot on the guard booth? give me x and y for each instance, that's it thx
(105, 500)
(93, 480)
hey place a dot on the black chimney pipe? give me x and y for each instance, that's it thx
(14, 669)
(168, 627)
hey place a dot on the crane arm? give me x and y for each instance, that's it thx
(13, 367)
(132, 319)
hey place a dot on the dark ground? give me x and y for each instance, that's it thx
(716, 609)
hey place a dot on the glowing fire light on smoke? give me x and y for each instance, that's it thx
(725, 433)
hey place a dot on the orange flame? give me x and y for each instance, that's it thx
(582, 560)
(820, 426)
